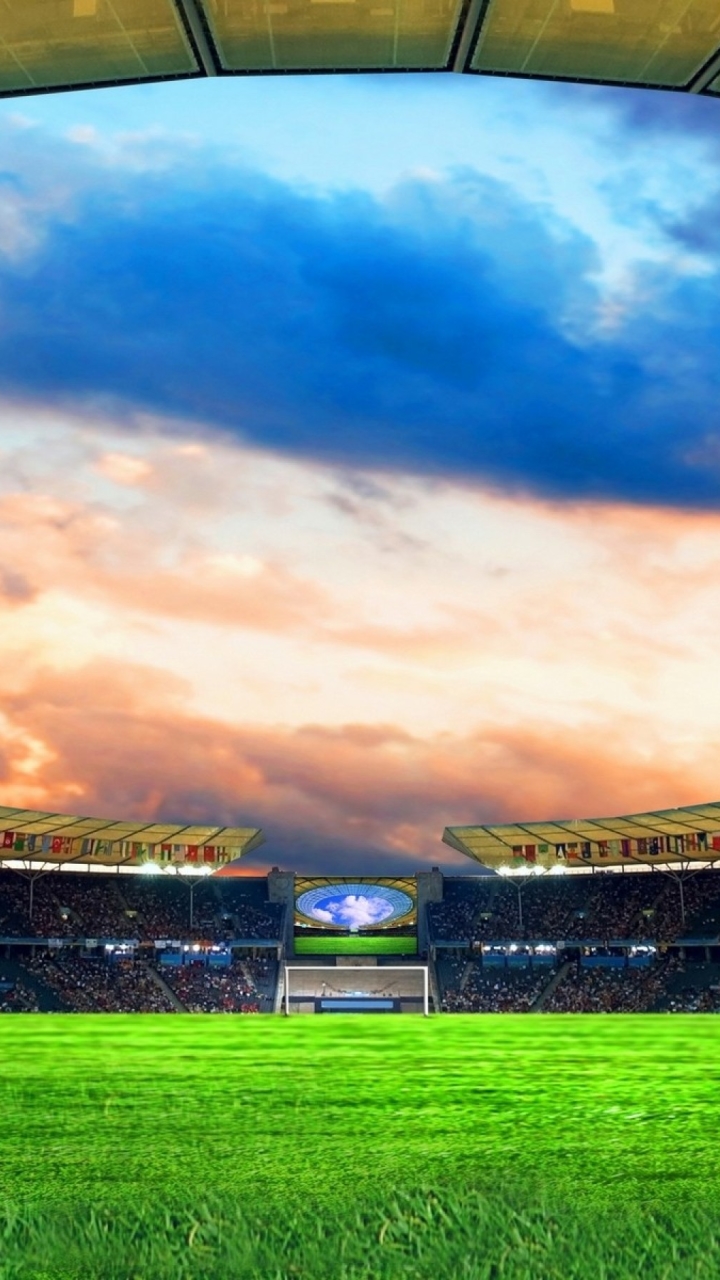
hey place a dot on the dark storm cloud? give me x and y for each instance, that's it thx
(447, 331)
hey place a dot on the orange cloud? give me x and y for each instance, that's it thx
(118, 741)
(287, 593)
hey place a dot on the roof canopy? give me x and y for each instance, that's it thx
(668, 835)
(61, 44)
(59, 838)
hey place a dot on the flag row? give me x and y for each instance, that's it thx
(122, 850)
(651, 846)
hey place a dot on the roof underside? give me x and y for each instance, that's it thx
(665, 836)
(62, 44)
(59, 838)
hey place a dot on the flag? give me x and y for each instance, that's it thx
(625, 848)
(530, 853)
(8, 839)
(209, 853)
(191, 853)
(19, 843)
(586, 850)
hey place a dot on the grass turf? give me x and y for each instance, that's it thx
(358, 1147)
(359, 945)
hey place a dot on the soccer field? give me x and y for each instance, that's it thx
(314, 1119)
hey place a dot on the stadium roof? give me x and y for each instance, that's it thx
(62, 44)
(665, 836)
(59, 838)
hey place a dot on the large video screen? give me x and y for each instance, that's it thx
(336, 912)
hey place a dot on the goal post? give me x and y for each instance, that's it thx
(356, 989)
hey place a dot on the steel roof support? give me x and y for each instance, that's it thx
(706, 76)
(475, 12)
(190, 15)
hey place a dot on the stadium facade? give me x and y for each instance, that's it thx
(50, 45)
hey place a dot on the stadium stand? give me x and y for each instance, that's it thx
(600, 942)
(641, 906)
(68, 905)
(491, 992)
(90, 985)
(16, 997)
(242, 987)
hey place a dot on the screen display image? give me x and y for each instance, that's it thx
(364, 914)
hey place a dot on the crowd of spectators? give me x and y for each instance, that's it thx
(72, 905)
(671, 985)
(206, 990)
(642, 906)
(255, 922)
(495, 991)
(48, 919)
(583, 990)
(90, 985)
(693, 1001)
(19, 998)
(160, 908)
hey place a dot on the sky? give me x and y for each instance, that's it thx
(359, 458)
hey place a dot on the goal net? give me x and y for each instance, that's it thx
(356, 989)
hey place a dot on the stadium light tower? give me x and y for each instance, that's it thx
(521, 878)
(194, 876)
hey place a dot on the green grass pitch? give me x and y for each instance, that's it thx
(472, 1147)
(355, 946)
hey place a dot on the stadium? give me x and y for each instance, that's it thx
(118, 917)
(354, 1084)
(615, 915)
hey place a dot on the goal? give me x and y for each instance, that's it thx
(356, 989)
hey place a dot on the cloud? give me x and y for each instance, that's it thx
(118, 741)
(451, 328)
(123, 468)
(656, 115)
(93, 553)
(15, 587)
